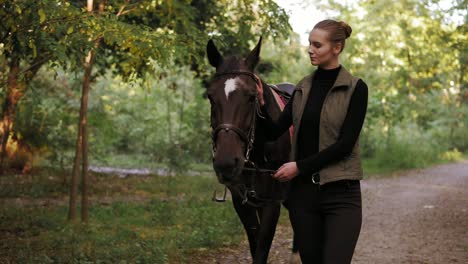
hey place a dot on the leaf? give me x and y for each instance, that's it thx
(32, 45)
(18, 9)
(42, 16)
(70, 30)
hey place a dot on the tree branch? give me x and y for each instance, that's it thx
(33, 68)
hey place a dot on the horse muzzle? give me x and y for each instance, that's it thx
(228, 169)
(228, 155)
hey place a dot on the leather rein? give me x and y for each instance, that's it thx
(249, 139)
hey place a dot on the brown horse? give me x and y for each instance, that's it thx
(242, 158)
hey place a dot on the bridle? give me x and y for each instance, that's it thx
(248, 138)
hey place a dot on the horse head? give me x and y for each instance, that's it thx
(233, 95)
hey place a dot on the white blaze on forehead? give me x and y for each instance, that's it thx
(230, 86)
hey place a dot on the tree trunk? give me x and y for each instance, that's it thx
(169, 119)
(461, 81)
(83, 122)
(75, 173)
(15, 90)
(181, 115)
(81, 153)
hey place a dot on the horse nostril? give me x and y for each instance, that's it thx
(224, 164)
(227, 168)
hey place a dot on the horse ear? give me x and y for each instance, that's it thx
(214, 57)
(254, 56)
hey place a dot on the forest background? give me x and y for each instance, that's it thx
(133, 74)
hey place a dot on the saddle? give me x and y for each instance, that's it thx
(287, 88)
(282, 93)
(284, 90)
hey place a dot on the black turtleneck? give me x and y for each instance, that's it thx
(309, 159)
(307, 142)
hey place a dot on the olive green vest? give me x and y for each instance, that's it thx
(334, 110)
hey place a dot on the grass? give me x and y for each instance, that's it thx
(132, 220)
(403, 159)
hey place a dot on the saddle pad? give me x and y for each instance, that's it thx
(280, 100)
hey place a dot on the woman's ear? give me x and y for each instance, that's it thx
(337, 48)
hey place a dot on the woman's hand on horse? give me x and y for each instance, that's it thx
(260, 92)
(286, 172)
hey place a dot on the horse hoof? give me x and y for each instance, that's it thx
(295, 258)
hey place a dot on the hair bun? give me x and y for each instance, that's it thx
(347, 29)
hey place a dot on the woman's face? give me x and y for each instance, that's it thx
(323, 52)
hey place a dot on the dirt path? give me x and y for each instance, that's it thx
(418, 216)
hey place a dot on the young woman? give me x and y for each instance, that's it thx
(327, 110)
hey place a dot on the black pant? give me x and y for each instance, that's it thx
(326, 220)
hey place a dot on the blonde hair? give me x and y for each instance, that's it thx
(338, 31)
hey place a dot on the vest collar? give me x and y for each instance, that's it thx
(341, 80)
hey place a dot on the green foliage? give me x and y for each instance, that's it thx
(164, 117)
(242, 22)
(413, 52)
(133, 32)
(161, 121)
(129, 40)
(165, 31)
(433, 130)
(46, 117)
(284, 61)
(40, 31)
(407, 146)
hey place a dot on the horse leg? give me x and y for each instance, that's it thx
(248, 216)
(268, 220)
(295, 247)
(294, 258)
